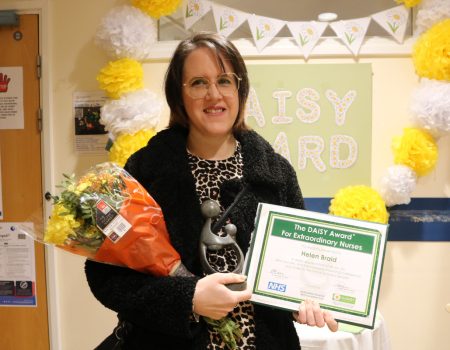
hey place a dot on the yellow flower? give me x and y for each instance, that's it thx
(417, 149)
(359, 202)
(92, 232)
(231, 18)
(83, 186)
(71, 187)
(126, 144)
(157, 8)
(431, 52)
(118, 77)
(267, 27)
(60, 225)
(408, 3)
(310, 31)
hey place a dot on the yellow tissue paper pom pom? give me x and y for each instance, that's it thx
(431, 52)
(157, 8)
(417, 149)
(126, 144)
(60, 225)
(118, 77)
(409, 3)
(359, 202)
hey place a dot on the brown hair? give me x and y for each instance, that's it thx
(224, 49)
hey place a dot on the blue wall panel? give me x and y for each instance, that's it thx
(424, 219)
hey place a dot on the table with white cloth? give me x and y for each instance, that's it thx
(315, 338)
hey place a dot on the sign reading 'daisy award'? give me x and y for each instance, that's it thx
(297, 254)
(319, 117)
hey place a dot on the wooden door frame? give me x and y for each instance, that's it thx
(42, 9)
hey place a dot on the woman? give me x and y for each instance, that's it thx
(206, 153)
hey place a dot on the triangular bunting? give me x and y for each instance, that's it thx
(394, 21)
(306, 34)
(352, 32)
(227, 19)
(264, 29)
(194, 10)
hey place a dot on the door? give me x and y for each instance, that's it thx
(24, 328)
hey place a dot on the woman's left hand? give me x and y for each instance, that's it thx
(311, 314)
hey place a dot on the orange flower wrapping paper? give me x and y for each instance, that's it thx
(108, 216)
(146, 245)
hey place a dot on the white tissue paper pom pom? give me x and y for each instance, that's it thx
(127, 32)
(134, 111)
(430, 106)
(397, 185)
(429, 12)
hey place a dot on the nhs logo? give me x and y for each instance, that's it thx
(277, 287)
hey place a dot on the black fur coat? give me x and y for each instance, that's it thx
(159, 308)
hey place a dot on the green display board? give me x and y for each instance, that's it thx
(318, 116)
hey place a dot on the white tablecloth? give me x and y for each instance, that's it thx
(314, 338)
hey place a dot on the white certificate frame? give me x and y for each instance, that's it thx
(297, 254)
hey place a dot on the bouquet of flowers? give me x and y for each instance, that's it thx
(107, 216)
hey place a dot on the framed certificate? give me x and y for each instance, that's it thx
(297, 254)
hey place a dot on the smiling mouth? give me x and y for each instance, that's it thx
(214, 110)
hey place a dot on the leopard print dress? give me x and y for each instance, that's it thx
(209, 174)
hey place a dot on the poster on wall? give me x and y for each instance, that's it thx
(11, 98)
(90, 135)
(17, 266)
(319, 117)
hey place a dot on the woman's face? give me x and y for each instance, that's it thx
(213, 115)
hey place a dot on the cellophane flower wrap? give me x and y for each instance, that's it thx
(107, 216)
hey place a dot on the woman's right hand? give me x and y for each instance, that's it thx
(213, 299)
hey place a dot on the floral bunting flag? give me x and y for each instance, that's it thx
(227, 19)
(195, 10)
(264, 29)
(351, 32)
(394, 21)
(307, 34)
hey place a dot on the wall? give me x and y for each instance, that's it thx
(415, 286)
(83, 322)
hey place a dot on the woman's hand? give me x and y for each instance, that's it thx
(311, 314)
(213, 299)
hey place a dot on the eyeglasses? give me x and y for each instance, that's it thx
(227, 84)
